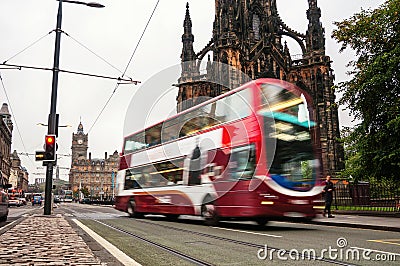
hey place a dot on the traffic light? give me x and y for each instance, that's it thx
(39, 155)
(50, 148)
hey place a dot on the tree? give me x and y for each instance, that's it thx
(85, 192)
(373, 92)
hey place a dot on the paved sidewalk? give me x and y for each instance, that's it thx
(45, 240)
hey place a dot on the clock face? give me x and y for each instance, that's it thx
(80, 141)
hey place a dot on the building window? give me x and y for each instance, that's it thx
(256, 27)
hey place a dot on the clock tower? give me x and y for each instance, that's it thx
(79, 144)
(91, 177)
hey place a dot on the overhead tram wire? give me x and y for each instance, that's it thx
(127, 66)
(27, 154)
(15, 118)
(71, 72)
(98, 56)
(19, 67)
(104, 107)
(29, 46)
(141, 37)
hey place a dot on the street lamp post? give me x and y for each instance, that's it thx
(52, 124)
(113, 183)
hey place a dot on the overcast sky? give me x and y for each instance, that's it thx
(112, 33)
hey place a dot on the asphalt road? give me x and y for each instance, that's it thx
(157, 241)
(17, 212)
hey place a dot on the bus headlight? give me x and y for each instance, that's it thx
(267, 203)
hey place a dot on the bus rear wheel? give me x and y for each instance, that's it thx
(261, 221)
(209, 213)
(172, 217)
(132, 210)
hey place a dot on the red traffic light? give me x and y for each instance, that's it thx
(49, 154)
(50, 139)
(50, 147)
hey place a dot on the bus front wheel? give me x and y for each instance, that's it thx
(208, 211)
(132, 210)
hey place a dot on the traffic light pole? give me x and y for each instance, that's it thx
(53, 118)
(52, 125)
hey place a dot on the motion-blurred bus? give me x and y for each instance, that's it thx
(248, 154)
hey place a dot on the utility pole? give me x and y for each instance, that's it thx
(53, 117)
(52, 124)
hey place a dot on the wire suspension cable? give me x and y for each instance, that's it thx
(98, 56)
(127, 66)
(140, 39)
(15, 118)
(72, 72)
(104, 107)
(26, 48)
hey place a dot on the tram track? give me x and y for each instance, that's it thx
(162, 247)
(167, 249)
(197, 261)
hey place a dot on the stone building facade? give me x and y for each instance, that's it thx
(6, 128)
(248, 36)
(96, 175)
(19, 176)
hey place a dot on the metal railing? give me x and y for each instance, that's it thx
(365, 196)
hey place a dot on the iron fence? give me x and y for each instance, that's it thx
(365, 196)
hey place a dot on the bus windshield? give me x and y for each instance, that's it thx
(287, 124)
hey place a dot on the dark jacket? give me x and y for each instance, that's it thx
(194, 167)
(329, 194)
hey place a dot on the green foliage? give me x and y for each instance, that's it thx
(373, 93)
(306, 170)
(85, 192)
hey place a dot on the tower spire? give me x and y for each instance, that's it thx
(188, 56)
(315, 40)
(80, 128)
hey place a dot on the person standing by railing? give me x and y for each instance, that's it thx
(328, 190)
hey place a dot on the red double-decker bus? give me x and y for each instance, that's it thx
(250, 154)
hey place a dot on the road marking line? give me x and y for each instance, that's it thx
(247, 232)
(118, 254)
(7, 226)
(386, 241)
(331, 226)
(378, 251)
